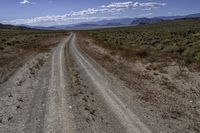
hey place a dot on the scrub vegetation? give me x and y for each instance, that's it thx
(169, 40)
(19, 44)
(159, 63)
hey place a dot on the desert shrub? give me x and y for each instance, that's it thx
(3, 40)
(160, 46)
(17, 42)
(180, 50)
(179, 39)
(171, 49)
(189, 52)
(1, 48)
(128, 52)
(105, 39)
(188, 60)
(9, 44)
(154, 42)
(198, 57)
(142, 53)
(113, 52)
(106, 57)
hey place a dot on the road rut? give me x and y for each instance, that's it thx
(105, 84)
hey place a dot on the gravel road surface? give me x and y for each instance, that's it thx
(66, 91)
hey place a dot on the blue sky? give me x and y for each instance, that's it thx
(59, 12)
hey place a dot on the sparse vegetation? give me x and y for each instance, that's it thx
(18, 44)
(27, 39)
(168, 40)
(156, 63)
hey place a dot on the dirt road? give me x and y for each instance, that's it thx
(66, 91)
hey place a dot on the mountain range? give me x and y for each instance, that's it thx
(132, 21)
(105, 23)
(7, 26)
(123, 22)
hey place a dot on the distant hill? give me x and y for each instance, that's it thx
(6, 26)
(97, 25)
(86, 25)
(197, 15)
(113, 24)
(43, 28)
(122, 21)
(193, 15)
(128, 21)
(139, 21)
(170, 17)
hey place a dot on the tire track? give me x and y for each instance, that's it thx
(129, 120)
(58, 118)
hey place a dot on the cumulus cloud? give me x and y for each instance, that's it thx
(87, 13)
(25, 2)
(133, 5)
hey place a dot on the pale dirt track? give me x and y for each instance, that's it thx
(69, 93)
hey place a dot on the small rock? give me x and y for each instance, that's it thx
(88, 120)
(20, 100)
(10, 95)
(10, 118)
(18, 107)
(19, 83)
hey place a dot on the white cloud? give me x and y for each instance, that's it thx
(25, 2)
(87, 14)
(52, 20)
(133, 5)
(117, 7)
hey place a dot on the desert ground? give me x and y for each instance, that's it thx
(106, 81)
